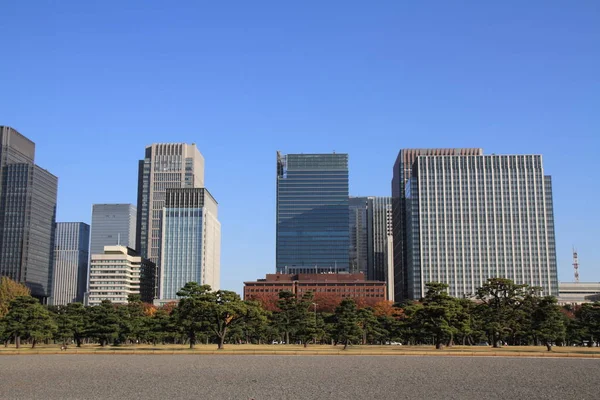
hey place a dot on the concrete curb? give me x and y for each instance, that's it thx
(306, 353)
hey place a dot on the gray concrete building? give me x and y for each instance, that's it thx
(474, 217)
(165, 166)
(113, 224)
(576, 293)
(27, 215)
(71, 254)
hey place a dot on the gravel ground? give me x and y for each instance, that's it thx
(295, 377)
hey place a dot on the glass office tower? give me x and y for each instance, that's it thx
(112, 224)
(471, 218)
(71, 253)
(27, 226)
(191, 241)
(312, 213)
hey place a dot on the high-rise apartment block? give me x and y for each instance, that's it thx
(27, 215)
(470, 217)
(112, 224)
(71, 254)
(191, 241)
(119, 272)
(312, 213)
(165, 166)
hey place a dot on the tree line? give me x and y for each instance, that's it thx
(499, 313)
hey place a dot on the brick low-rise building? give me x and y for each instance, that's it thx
(327, 288)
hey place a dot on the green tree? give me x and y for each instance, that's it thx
(588, 316)
(306, 319)
(195, 310)
(228, 311)
(346, 322)
(500, 302)
(286, 318)
(78, 321)
(437, 315)
(28, 319)
(548, 321)
(10, 290)
(104, 322)
(372, 330)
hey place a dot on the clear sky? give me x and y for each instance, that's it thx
(94, 82)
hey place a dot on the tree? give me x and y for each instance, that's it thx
(437, 314)
(346, 322)
(548, 321)
(28, 319)
(500, 301)
(286, 318)
(588, 317)
(10, 290)
(306, 321)
(229, 311)
(104, 322)
(194, 311)
(371, 328)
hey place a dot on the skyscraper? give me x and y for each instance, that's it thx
(379, 215)
(312, 213)
(27, 215)
(71, 253)
(112, 224)
(359, 234)
(165, 166)
(401, 174)
(371, 241)
(191, 241)
(475, 217)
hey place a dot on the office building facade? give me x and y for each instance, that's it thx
(119, 272)
(71, 255)
(27, 215)
(113, 224)
(401, 174)
(165, 166)
(191, 241)
(471, 218)
(312, 213)
(359, 235)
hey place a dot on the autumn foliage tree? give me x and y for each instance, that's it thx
(10, 290)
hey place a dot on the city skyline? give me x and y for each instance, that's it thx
(306, 163)
(510, 77)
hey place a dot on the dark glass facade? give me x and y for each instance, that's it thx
(27, 226)
(312, 213)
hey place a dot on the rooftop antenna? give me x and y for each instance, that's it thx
(118, 239)
(576, 265)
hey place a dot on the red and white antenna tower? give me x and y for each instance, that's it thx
(576, 265)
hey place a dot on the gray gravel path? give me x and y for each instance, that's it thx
(295, 377)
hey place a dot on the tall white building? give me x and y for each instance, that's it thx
(474, 217)
(71, 252)
(118, 272)
(191, 241)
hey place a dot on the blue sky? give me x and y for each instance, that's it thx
(93, 83)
